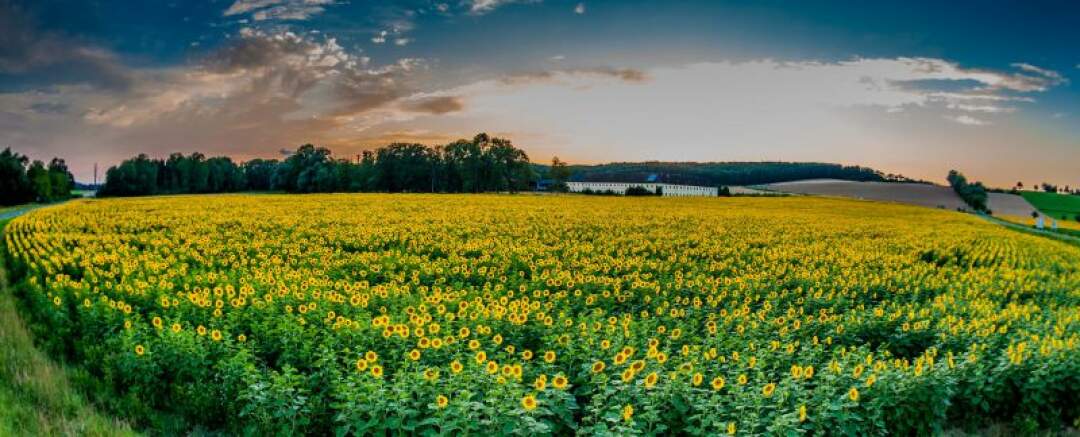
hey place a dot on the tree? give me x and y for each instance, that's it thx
(559, 174)
(257, 174)
(972, 194)
(61, 181)
(15, 186)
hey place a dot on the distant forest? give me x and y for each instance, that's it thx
(714, 174)
(482, 164)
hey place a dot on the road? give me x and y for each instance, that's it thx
(1042, 232)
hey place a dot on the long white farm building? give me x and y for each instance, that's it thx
(668, 190)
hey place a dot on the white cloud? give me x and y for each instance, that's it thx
(968, 120)
(579, 9)
(402, 41)
(379, 38)
(980, 108)
(1054, 77)
(557, 58)
(262, 10)
(480, 7)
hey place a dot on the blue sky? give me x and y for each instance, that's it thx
(911, 87)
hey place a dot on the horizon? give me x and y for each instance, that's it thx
(908, 88)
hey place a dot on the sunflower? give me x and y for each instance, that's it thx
(528, 402)
(371, 356)
(627, 375)
(140, 350)
(650, 380)
(598, 367)
(559, 382)
(742, 379)
(376, 371)
(431, 374)
(414, 354)
(361, 365)
(215, 335)
(492, 367)
(717, 383)
(481, 357)
(441, 401)
(697, 379)
(549, 356)
(853, 394)
(540, 383)
(176, 327)
(768, 390)
(627, 412)
(802, 413)
(456, 367)
(731, 428)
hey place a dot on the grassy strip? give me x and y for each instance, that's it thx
(36, 397)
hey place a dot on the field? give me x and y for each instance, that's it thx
(932, 196)
(1060, 206)
(442, 314)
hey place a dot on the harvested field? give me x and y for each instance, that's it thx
(933, 196)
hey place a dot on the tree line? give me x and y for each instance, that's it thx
(482, 164)
(715, 174)
(974, 194)
(23, 181)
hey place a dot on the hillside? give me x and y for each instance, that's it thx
(934, 196)
(720, 173)
(1059, 206)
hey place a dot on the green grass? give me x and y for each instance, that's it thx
(36, 396)
(1059, 206)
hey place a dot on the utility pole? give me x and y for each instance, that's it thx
(95, 175)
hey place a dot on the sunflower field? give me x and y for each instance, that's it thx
(448, 315)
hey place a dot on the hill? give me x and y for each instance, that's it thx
(721, 173)
(934, 196)
(1059, 206)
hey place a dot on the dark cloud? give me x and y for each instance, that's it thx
(625, 74)
(32, 58)
(437, 105)
(48, 107)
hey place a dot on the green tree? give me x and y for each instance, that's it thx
(15, 186)
(559, 174)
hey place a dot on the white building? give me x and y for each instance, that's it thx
(668, 190)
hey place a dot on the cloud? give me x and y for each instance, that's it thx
(579, 9)
(480, 7)
(261, 91)
(33, 58)
(402, 41)
(436, 105)
(967, 120)
(557, 58)
(1053, 77)
(262, 10)
(379, 38)
(980, 108)
(624, 74)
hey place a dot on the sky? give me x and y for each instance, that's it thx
(911, 87)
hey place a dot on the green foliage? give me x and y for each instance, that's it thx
(723, 173)
(974, 194)
(1058, 206)
(638, 190)
(38, 183)
(483, 164)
